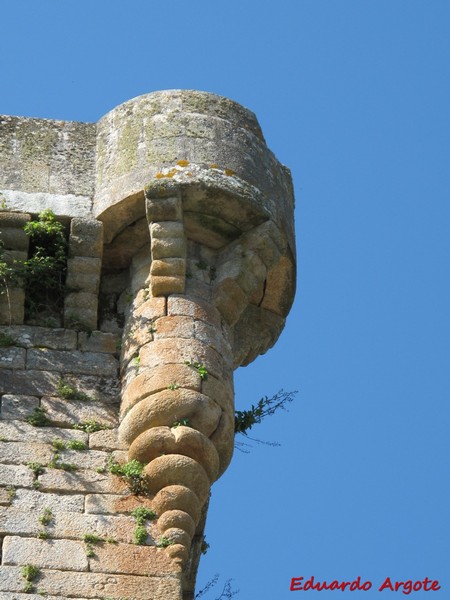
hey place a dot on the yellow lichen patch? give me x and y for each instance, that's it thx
(170, 173)
(228, 172)
(182, 163)
(189, 174)
(214, 166)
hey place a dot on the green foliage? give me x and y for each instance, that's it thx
(76, 445)
(58, 444)
(140, 535)
(36, 467)
(5, 339)
(184, 422)
(199, 367)
(92, 538)
(43, 535)
(46, 517)
(30, 572)
(38, 418)
(70, 392)
(245, 419)
(11, 491)
(142, 514)
(173, 386)
(90, 426)
(163, 542)
(205, 546)
(43, 273)
(132, 473)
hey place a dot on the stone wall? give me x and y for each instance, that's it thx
(180, 268)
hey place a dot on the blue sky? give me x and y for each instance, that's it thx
(354, 96)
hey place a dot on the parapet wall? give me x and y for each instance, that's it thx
(180, 268)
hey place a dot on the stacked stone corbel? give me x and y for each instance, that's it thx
(196, 274)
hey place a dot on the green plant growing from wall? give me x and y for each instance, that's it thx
(132, 473)
(90, 426)
(67, 391)
(199, 367)
(43, 273)
(142, 514)
(38, 418)
(30, 573)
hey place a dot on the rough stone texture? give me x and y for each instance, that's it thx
(180, 268)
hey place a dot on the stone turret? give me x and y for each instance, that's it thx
(180, 268)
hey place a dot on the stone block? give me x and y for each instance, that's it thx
(80, 310)
(158, 379)
(15, 406)
(83, 274)
(28, 336)
(87, 363)
(113, 504)
(167, 230)
(17, 476)
(5, 497)
(30, 382)
(12, 306)
(164, 286)
(65, 413)
(174, 327)
(163, 209)
(65, 555)
(14, 521)
(168, 267)
(14, 238)
(12, 358)
(86, 238)
(17, 431)
(131, 560)
(36, 502)
(168, 247)
(97, 341)
(24, 452)
(198, 309)
(82, 481)
(79, 585)
(106, 440)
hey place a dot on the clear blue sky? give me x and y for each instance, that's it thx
(354, 96)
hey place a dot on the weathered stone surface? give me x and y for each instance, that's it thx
(17, 431)
(106, 440)
(55, 480)
(83, 274)
(36, 502)
(86, 237)
(17, 406)
(66, 555)
(88, 363)
(68, 525)
(42, 337)
(64, 413)
(12, 358)
(198, 268)
(95, 585)
(131, 560)
(112, 504)
(24, 452)
(5, 497)
(29, 382)
(16, 476)
(97, 341)
(167, 407)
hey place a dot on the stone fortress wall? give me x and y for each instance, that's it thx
(180, 268)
